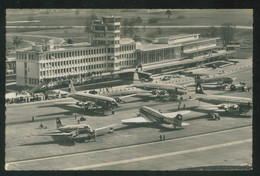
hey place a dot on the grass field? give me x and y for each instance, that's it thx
(63, 17)
(192, 17)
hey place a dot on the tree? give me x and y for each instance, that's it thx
(131, 29)
(168, 12)
(70, 41)
(181, 17)
(227, 32)
(89, 21)
(17, 41)
(152, 20)
(159, 30)
(150, 35)
(212, 32)
(144, 29)
(125, 27)
(77, 12)
(30, 18)
(138, 20)
(137, 38)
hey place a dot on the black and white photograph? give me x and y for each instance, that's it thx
(129, 89)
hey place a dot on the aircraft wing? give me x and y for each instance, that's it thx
(66, 103)
(55, 134)
(212, 108)
(127, 96)
(207, 109)
(146, 94)
(213, 83)
(174, 114)
(136, 120)
(190, 85)
(104, 130)
(171, 126)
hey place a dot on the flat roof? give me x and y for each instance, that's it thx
(112, 16)
(177, 36)
(198, 41)
(126, 40)
(179, 62)
(196, 50)
(150, 46)
(132, 70)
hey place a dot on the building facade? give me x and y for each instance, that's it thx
(175, 48)
(107, 53)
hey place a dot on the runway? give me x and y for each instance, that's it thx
(172, 151)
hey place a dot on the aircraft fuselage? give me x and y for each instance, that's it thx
(155, 116)
(215, 99)
(154, 86)
(222, 80)
(98, 99)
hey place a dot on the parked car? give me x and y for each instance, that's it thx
(166, 78)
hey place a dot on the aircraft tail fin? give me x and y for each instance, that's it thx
(71, 87)
(58, 123)
(199, 89)
(136, 78)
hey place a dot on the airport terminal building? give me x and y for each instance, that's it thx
(108, 53)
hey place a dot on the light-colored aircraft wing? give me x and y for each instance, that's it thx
(136, 120)
(213, 83)
(55, 134)
(212, 108)
(170, 126)
(66, 103)
(190, 85)
(127, 96)
(174, 114)
(104, 130)
(146, 94)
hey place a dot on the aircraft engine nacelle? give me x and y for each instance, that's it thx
(83, 104)
(177, 121)
(228, 107)
(155, 92)
(118, 100)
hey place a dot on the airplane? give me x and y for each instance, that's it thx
(219, 83)
(94, 102)
(229, 104)
(77, 133)
(159, 90)
(238, 87)
(150, 116)
(216, 80)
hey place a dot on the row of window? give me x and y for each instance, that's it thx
(80, 61)
(111, 20)
(33, 81)
(25, 56)
(102, 42)
(199, 45)
(77, 61)
(78, 53)
(106, 35)
(72, 69)
(88, 68)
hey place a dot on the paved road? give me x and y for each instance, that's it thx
(46, 27)
(231, 146)
(57, 39)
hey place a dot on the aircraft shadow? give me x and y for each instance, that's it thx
(161, 129)
(65, 143)
(70, 111)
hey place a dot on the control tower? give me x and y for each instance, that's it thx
(107, 32)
